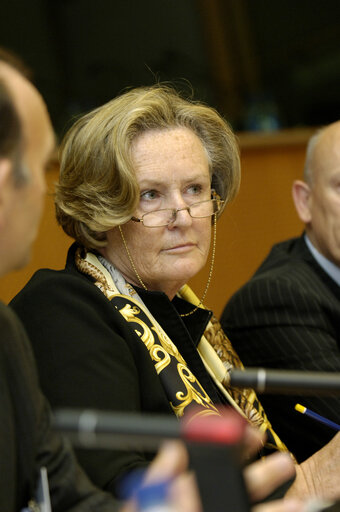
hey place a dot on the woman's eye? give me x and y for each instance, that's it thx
(195, 189)
(149, 195)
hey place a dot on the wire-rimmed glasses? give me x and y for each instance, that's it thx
(165, 216)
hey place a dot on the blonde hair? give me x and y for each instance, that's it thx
(98, 189)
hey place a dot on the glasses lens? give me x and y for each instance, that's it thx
(204, 208)
(158, 218)
(165, 217)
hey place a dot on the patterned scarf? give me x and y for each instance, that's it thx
(182, 387)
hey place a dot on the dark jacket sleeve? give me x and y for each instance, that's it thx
(88, 357)
(35, 443)
(276, 323)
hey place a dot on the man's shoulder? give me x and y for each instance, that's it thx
(287, 287)
(285, 274)
(288, 264)
(8, 319)
(284, 256)
(7, 322)
(13, 337)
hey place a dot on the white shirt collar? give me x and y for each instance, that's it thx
(328, 266)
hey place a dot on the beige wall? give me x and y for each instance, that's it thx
(261, 215)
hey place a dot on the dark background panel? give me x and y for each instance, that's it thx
(265, 64)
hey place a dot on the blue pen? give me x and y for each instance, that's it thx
(317, 417)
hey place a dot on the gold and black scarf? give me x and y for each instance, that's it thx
(182, 388)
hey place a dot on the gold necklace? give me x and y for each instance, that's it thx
(210, 270)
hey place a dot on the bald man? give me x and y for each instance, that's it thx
(288, 315)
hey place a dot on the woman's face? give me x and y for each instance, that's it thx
(172, 171)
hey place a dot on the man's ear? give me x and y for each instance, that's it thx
(5, 169)
(301, 193)
(5, 180)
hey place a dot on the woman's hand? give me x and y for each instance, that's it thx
(319, 475)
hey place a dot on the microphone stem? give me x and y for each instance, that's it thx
(286, 381)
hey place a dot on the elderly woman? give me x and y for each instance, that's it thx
(143, 180)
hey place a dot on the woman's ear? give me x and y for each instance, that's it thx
(301, 194)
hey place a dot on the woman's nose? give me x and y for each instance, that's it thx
(181, 218)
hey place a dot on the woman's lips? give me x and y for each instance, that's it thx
(180, 248)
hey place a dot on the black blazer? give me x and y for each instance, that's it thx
(26, 439)
(288, 316)
(88, 356)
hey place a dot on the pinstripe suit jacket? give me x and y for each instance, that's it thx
(288, 316)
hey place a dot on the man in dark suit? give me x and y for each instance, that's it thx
(288, 315)
(27, 442)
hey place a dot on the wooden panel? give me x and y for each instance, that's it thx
(262, 214)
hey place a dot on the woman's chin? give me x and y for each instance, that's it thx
(184, 272)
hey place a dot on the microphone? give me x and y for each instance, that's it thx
(212, 442)
(287, 382)
(93, 428)
(119, 430)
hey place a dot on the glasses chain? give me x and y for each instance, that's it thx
(131, 260)
(210, 270)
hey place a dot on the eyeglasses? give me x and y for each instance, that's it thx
(166, 216)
